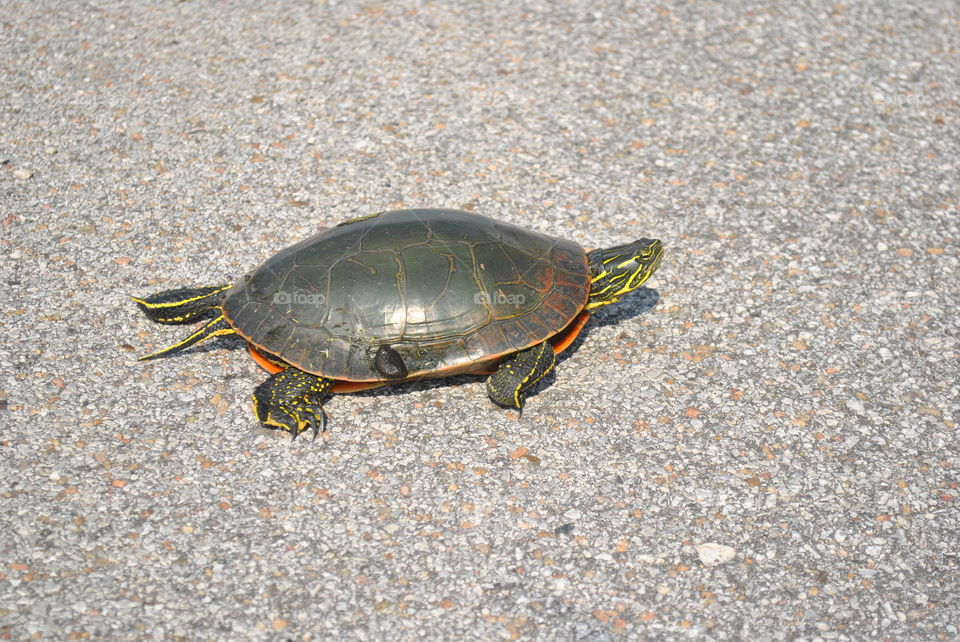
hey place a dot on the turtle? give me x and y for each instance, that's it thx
(405, 295)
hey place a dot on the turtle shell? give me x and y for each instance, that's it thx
(449, 291)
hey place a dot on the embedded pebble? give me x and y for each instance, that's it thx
(712, 554)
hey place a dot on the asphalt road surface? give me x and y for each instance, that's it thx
(760, 444)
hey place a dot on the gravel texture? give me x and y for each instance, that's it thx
(761, 445)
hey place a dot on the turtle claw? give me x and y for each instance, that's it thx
(297, 422)
(317, 421)
(323, 424)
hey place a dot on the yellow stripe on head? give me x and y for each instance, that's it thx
(633, 264)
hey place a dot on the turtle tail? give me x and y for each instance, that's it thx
(186, 305)
(215, 328)
(183, 305)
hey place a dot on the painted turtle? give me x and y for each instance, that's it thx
(406, 295)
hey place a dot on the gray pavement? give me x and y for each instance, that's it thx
(761, 445)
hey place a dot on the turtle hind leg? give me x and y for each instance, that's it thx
(183, 305)
(292, 400)
(509, 384)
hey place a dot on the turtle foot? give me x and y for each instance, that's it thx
(509, 384)
(292, 400)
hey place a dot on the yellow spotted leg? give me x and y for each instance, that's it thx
(508, 385)
(292, 400)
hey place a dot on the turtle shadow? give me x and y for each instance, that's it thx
(643, 300)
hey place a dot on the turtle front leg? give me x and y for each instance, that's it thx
(292, 400)
(509, 384)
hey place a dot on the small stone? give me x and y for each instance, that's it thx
(23, 173)
(564, 529)
(856, 405)
(573, 514)
(712, 554)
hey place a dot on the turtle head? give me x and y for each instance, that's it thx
(617, 270)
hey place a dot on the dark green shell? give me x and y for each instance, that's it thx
(450, 291)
